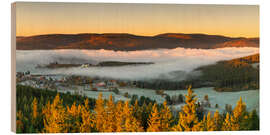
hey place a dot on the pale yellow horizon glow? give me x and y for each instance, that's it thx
(34, 18)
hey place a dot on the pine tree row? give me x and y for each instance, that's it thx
(110, 116)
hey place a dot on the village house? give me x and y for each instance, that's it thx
(86, 65)
(99, 85)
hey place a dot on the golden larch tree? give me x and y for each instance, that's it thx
(209, 124)
(87, 116)
(55, 116)
(154, 122)
(74, 115)
(166, 117)
(227, 126)
(188, 120)
(119, 116)
(131, 124)
(110, 116)
(239, 113)
(217, 121)
(34, 109)
(137, 111)
(99, 113)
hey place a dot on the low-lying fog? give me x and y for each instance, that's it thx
(169, 63)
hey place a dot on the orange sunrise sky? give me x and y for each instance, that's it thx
(139, 19)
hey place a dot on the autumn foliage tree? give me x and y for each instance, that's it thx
(111, 117)
(55, 116)
(227, 125)
(238, 116)
(131, 124)
(87, 124)
(99, 114)
(154, 121)
(166, 117)
(217, 121)
(34, 108)
(188, 120)
(209, 123)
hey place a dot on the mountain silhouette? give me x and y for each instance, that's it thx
(129, 42)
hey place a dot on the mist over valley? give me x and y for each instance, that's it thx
(172, 64)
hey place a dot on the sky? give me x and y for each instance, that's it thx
(36, 18)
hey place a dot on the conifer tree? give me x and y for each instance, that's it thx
(217, 121)
(188, 120)
(74, 114)
(99, 113)
(145, 113)
(154, 122)
(166, 117)
(239, 113)
(34, 109)
(119, 117)
(74, 110)
(19, 122)
(227, 126)
(87, 124)
(131, 124)
(245, 122)
(209, 122)
(110, 116)
(55, 116)
(35, 116)
(204, 123)
(137, 111)
(253, 123)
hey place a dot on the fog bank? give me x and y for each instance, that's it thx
(169, 63)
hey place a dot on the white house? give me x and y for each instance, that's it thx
(85, 65)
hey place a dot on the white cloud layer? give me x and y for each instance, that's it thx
(168, 62)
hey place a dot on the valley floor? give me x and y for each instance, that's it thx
(250, 97)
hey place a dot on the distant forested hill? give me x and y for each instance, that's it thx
(236, 74)
(129, 42)
(231, 75)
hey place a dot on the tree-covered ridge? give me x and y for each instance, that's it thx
(230, 75)
(129, 42)
(248, 59)
(236, 74)
(41, 111)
